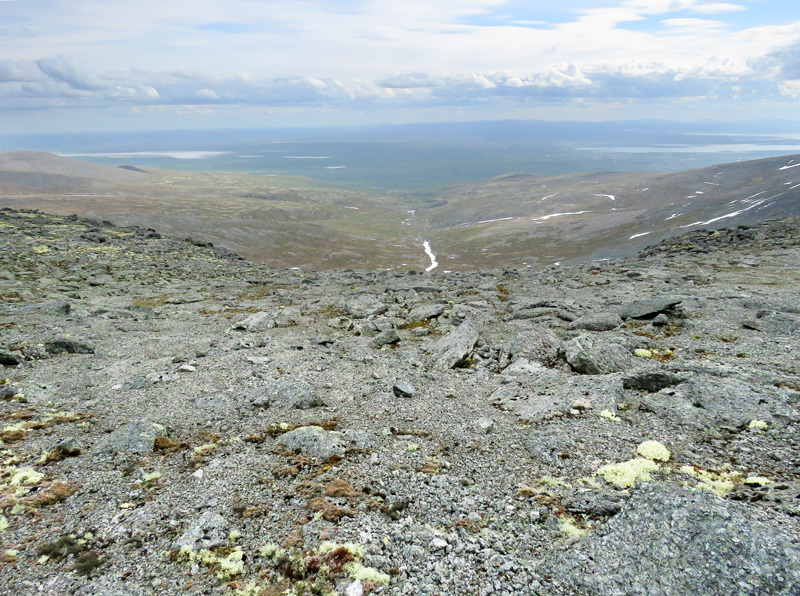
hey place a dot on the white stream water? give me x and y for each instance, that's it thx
(434, 263)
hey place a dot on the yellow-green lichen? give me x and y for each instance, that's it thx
(567, 526)
(758, 424)
(642, 353)
(757, 481)
(627, 473)
(357, 571)
(654, 451)
(610, 415)
(720, 483)
(24, 477)
(3, 523)
(226, 567)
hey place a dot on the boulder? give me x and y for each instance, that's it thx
(674, 541)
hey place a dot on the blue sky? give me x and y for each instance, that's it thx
(151, 64)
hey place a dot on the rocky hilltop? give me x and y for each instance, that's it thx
(177, 420)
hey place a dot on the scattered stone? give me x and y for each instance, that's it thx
(484, 425)
(403, 389)
(314, 442)
(64, 345)
(209, 531)
(285, 395)
(259, 321)
(652, 381)
(9, 358)
(660, 320)
(134, 437)
(385, 338)
(68, 448)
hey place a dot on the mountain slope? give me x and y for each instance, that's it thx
(530, 219)
(512, 220)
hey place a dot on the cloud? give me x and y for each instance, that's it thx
(390, 54)
(64, 69)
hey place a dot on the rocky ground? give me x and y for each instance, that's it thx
(180, 421)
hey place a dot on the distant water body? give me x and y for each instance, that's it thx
(384, 163)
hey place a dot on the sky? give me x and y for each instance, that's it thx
(73, 65)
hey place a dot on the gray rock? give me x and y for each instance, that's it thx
(602, 503)
(137, 382)
(315, 442)
(209, 531)
(652, 381)
(135, 437)
(538, 396)
(539, 345)
(484, 425)
(710, 401)
(648, 309)
(60, 307)
(589, 356)
(9, 358)
(286, 395)
(454, 349)
(775, 323)
(66, 345)
(364, 306)
(597, 322)
(660, 320)
(385, 338)
(673, 541)
(403, 389)
(424, 312)
(68, 447)
(256, 322)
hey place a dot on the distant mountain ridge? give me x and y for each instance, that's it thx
(515, 219)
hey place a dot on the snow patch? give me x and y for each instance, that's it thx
(546, 217)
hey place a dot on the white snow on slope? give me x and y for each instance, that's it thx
(546, 217)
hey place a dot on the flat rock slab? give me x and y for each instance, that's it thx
(542, 393)
(706, 401)
(453, 349)
(675, 541)
(648, 309)
(589, 356)
(597, 322)
(424, 312)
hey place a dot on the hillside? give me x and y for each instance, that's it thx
(178, 420)
(514, 220)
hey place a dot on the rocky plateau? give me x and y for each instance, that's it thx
(179, 420)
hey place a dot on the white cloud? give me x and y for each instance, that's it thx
(304, 54)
